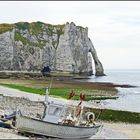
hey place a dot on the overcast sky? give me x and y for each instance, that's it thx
(114, 26)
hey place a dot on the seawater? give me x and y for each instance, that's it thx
(129, 98)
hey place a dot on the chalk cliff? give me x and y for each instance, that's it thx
(32, 46)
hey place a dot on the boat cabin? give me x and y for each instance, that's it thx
(57, 113)
(53, 113)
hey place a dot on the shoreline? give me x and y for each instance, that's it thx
(110, 129)
(63, 82)
(61, 86)
(15, 93)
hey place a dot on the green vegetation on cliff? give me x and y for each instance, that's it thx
(51, 29)
(22, 25)
(6, 27)
(36, 29)
(25, 41)
(19, 37)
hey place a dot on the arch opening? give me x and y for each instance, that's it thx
(91, 65)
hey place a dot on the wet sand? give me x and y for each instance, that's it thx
(131, 130)
(88, 88)
(60, 82)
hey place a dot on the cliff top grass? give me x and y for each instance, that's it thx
(6, 27)
(36, 27)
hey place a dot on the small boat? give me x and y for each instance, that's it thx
(59, 120)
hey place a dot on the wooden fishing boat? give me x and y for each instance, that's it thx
(60, 121)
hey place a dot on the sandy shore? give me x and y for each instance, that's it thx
(130, 130)
(10, 134)
(110, 130)
(119, 131)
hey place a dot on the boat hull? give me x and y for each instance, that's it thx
(31, 125)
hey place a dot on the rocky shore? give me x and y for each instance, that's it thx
(29, 108)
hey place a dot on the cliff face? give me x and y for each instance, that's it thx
(32, 46)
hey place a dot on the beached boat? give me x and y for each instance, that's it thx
(60, 121)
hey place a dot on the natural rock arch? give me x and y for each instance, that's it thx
(99, 71)
(32, 46)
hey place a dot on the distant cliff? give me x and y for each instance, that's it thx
(32, 46)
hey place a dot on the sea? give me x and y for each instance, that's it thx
(129, 98)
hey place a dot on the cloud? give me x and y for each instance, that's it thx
(119, 58)
(113, 25)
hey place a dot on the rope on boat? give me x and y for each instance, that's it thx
(50, 84)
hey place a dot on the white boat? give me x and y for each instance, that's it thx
(59, 121)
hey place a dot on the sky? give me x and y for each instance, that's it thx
(113, 26)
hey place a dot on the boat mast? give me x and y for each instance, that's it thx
(50, 84)
(48, 91)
